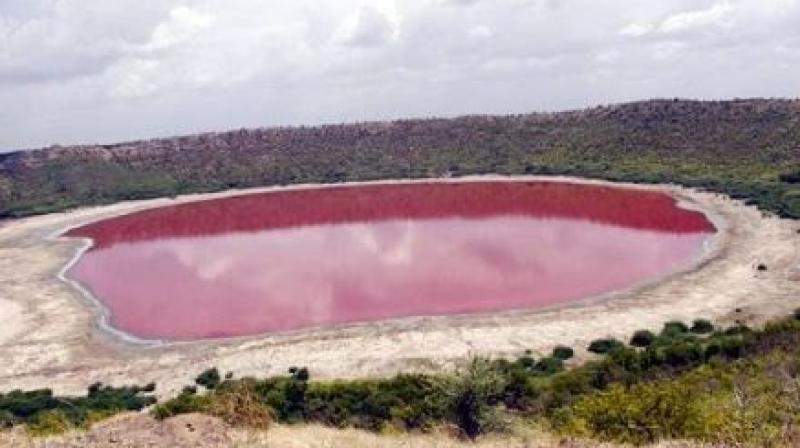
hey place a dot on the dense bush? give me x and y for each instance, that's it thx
(209, 378)
(702, 326)
(791, 178)
(674, 328)
(45, 413)
(563, 352)
(642, 338)
(741, 403)
(604, 345)
(658, 411)
(549, 365)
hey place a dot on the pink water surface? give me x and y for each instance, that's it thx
(287, 260)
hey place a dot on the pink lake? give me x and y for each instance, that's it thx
(294, 259)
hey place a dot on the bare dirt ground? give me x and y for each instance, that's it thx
(50, 336)
(200, 431)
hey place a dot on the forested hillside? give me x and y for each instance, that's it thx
(745, 148)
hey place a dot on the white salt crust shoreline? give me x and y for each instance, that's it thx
(56, 334)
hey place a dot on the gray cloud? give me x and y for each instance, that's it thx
(368, 28)
(93, 70)
(43, 40)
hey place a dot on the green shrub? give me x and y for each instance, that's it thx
(300, 374)
(521, 388)
(791, 178)
(472, 398)
(549, 365)
(683, 354)
(526, 362)
(94, 389)
(45, 413)
(713, 349)
(674, 328)
(7, 420)
(642, 414)
(642, 338)
(563, 352)
(209, 378)
(604, 345)
(732, 347)
(702, 326)
(737, 329)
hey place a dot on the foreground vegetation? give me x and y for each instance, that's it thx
(736, 386)
(45, 414)
(746, 148)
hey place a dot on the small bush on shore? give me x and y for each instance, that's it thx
(702, 326)
(239, 405)
(643, 338)
(605, 345)
(674, 328)
(209, 378)
(563, 352)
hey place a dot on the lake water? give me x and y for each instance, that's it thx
(293, 259)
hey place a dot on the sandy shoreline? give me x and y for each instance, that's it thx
(50, 336)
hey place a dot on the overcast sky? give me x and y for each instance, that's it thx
(108, 70)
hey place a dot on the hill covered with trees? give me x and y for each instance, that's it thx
(744, 148)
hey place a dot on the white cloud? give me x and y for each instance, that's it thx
(134, 78)
(607, 57)
(368, 27)
(183, 24)
(480, 31)
(89, 70)
(719, 14)
(637, 29)
(68, 38)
